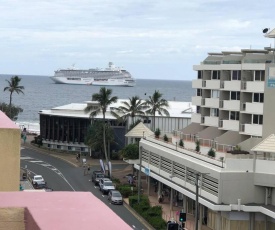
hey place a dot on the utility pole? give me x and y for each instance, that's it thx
(139, 174)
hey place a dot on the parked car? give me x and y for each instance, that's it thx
(37, 178)
(96, 176)
(105, 185)
(40, 185)
(115, 197)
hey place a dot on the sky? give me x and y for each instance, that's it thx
(152, 39)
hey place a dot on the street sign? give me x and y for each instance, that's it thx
(147, 171)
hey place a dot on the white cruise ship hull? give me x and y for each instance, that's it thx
(111, 76)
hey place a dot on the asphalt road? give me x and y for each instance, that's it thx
(62, 176)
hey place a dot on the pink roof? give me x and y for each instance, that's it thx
(6, 122)
(65, 210)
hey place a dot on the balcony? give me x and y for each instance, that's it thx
(196, 118)
(211, 121)
(252, 108)
(251, 129)
(253, 66)
(211, 84)
(253, 86)
(232, 105)
(196, 100)
(231, 85)
(197, 84)
(229, 125)
(211, 102)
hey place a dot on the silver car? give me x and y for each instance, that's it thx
(115, 197)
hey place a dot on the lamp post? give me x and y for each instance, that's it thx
(139, 174)
(197, 174)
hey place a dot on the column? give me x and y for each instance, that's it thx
(159, 188)
(201, 216)
(171, 199)
(251, 221)
(218, 221)
(148, 184)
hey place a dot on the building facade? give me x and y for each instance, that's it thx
(234, 94)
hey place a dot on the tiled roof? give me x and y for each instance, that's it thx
(139, 130)
(267, 145)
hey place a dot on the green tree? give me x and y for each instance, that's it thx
(13, 87)
(181, 143)
(15, 110)
(94, 136)
(130, 151)
(135, 107)
(104, 99)
(158, 104)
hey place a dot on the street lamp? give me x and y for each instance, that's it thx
(197, 198)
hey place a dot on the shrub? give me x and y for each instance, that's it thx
(157, 222)
(157, 133)
(126, 190)
(165, 138)
(198, 148)
(181, 144)
(211, 153)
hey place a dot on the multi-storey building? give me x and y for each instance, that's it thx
(234, 107)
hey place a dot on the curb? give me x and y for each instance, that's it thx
(140, 218)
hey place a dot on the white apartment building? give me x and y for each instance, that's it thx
(235, 107)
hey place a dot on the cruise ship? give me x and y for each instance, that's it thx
(110, 76)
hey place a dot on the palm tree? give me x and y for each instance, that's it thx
(14, 87)
(104, 100)
(135, 107)
(157, 104)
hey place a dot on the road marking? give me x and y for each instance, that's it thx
(36, 161)
(25, 158)
(102, 195)
(134, 226)
(46, 165)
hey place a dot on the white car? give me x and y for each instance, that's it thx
(105, 185)
(37, 178)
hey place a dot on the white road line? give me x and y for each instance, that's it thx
(36, 161)
(103, 196)
(25, 158)
(134, 226)
(46, 165)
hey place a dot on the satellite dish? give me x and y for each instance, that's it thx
(265, 30)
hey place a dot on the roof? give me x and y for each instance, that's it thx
(271, 34)
(78, 110)
(267, 145)
(6, 122)
(65, 210)
(139, 131)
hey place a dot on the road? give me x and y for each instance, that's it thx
(62, 176)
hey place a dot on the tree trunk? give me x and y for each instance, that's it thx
(10, 105)
(104, 144)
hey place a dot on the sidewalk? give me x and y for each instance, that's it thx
(167, 212)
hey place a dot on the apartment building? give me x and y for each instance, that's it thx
(234, 107)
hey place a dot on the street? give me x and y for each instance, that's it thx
(62, 176)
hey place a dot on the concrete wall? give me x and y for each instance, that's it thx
(12, 219)
(10, 141)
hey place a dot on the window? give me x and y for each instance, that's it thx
(199, 74)
(234, 116)
(236, 75)
(215, 93)
(257, 119)
(199, 92)
(258, 97)
(198, 109)
(216, 74)
(234, 95)
(214, 112)
(259, 75)
(146, 121)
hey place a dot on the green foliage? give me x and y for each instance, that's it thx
(165, 138)
(116, 181)
(38, 140)
(237, 148)
(11, 111)
(94, 136)
(181, 143)
(157, 132)
(130, 151)
(151, 214)
(211, 152)
(126, 190)
(198, 147)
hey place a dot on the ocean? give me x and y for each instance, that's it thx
(42, 93)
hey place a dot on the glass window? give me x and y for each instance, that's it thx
(234, 115)
(257, 119)
(215, 94)
(215, 74)
(258, 97)
(236, 75)
(199, 92)
(234, 95)
(259, 75)
(199, 74)
(214, 112)
(198, 109)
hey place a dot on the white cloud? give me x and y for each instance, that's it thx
(177, 33)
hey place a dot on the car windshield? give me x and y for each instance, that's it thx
(116, 194)
(100, 175)
(38, 178)
(108, 183)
